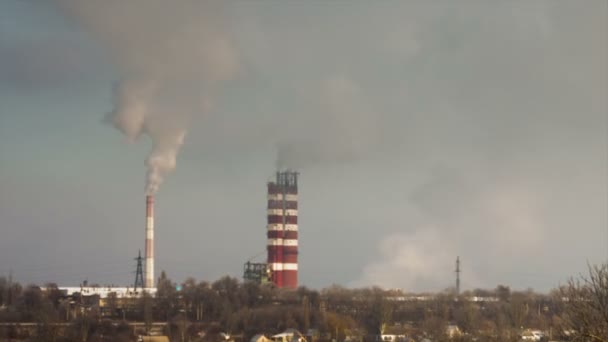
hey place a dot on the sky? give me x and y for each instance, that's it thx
(422, 130)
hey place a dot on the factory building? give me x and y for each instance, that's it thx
(282, 229)
(257, 272)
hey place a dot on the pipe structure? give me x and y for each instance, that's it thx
(149, 281)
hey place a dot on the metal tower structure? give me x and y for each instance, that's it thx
(139, 273)
(457, 276)
(256, 272)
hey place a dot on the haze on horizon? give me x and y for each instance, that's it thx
(422, 131)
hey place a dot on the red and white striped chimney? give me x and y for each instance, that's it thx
(282, 230)
(149, 281)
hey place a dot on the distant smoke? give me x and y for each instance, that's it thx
(458, 210)
(420, 260)
(171, 57)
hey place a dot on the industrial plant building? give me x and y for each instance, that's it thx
(280, 268)
(144, 281)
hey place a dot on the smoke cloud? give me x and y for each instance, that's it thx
(510, 99)
(406, 262)
(171, 59)
(458, 211)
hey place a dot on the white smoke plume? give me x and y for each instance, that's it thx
(171, 58)
(504, 218)
(415, 261)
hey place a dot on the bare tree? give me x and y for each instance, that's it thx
(586, 305)
(380, 313)
(305, 314)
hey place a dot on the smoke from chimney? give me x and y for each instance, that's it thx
(171, 58)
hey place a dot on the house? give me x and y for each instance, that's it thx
(532, 335)
(393, 338)
(395, 333)
(153, 339)
(289, 335)
(260, 338)
(452, 330)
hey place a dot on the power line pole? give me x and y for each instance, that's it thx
(457, 276)
(9, 290)
(139, 274)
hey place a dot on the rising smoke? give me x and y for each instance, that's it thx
(171, 59)
(458, 210)
(414, 88)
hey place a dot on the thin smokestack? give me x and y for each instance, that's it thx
(149, 241)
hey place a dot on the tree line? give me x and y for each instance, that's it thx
(201, 310)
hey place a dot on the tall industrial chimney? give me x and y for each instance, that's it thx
(149, 242)
(282, 230)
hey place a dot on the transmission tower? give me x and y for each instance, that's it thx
(457, 276)
(139, 274)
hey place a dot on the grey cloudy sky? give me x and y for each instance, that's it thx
(423, 130)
